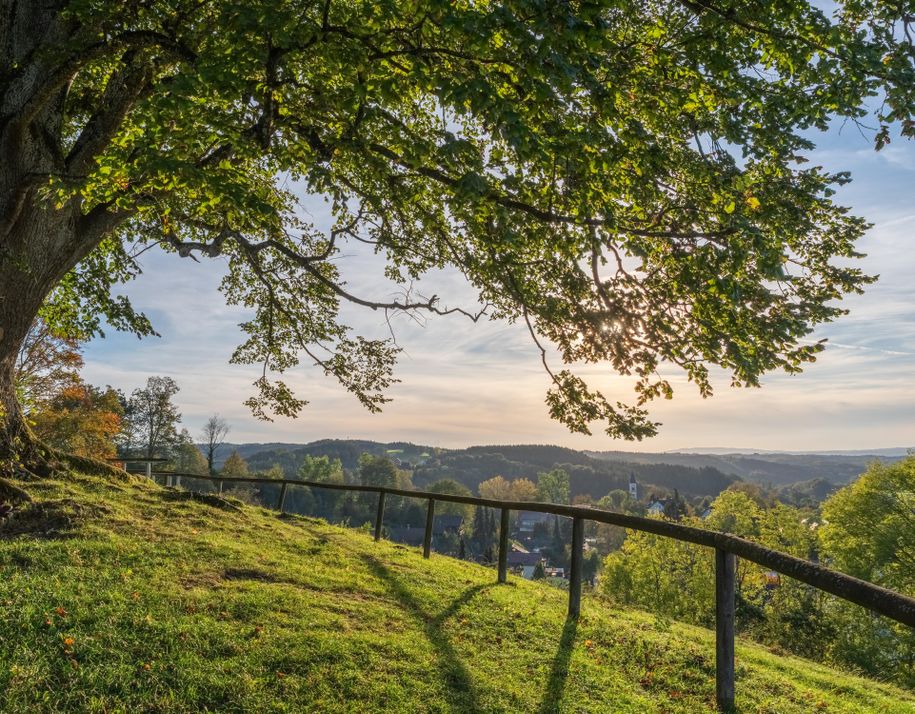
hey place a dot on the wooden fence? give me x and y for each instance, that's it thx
(727, 549)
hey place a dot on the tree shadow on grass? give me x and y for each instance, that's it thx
(560, 669)
(462, 695)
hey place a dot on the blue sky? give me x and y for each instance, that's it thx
(468, 384)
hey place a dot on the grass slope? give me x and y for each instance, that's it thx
(126, 597)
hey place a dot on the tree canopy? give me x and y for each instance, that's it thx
(870, 525)
(553, 486)
(150, 423)
(626, 179)
(235, 466)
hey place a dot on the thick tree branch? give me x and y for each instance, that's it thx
(124, 89)
(131, 40)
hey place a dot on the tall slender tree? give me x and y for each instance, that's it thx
(214, 434)
(625, 179)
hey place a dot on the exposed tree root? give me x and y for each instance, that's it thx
(23, 457)
(12, 494)
(92, 467)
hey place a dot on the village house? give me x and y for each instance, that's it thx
(528, 520)
(441, 525)
(656, 507)
(523, 564)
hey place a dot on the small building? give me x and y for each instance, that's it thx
(414, 535)
(656, 507)
(407, 536)
(523, 563)
(447, 524)
(528, 520)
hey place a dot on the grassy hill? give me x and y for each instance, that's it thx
(122, 596)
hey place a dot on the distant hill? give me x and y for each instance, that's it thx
(801, 477)
(773, 468)
(721, 450)
(475, 464)
(291, 456)
(587, 475)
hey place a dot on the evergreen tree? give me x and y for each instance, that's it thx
(675, 508)
(558, 546)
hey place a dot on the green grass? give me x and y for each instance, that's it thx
(123, 597)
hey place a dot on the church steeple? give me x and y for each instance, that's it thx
(633, 487)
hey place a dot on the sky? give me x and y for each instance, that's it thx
(464, 383)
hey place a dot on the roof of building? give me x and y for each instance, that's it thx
(536, 516)
(447, 522)
(409, 536)
(515, 558)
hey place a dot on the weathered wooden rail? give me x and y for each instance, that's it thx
(727, 547)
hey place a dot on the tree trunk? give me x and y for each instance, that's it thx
(39, 244)
(39, 241)
(26, 280)
(40, 247)
(19, 302)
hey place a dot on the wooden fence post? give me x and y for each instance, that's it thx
(427, 540)
(725, 571)
(148, 469)
(380, 516)
(220, 487)
(578, 538)
(503, 546)
(283, 496)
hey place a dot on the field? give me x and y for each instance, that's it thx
(123, 596)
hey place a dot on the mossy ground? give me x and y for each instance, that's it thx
(125, 597)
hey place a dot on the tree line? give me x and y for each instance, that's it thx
(70, 415)
(866, 529)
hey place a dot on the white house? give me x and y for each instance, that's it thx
(656, 508)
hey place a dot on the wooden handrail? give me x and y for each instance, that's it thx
(891, 604)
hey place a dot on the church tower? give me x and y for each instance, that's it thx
(633, 487)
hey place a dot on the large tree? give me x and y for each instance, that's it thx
(625, 178)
